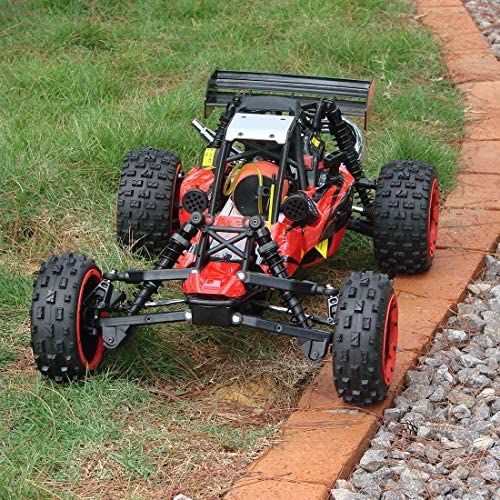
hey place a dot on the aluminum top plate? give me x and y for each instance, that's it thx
(259, 127)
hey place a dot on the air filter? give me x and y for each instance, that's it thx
(301, 209)
(195, 200)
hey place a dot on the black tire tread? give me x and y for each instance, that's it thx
(358, 338)
(53, 321)
(145, 199)
(400, 216)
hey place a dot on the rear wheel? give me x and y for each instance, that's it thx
(147, 205)
(406, 217)
(65, 340)
(365, 338)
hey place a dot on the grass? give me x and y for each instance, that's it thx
(83, 82)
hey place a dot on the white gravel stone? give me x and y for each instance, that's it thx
(482, 411)
(494, 304)
(439, 394)
(460, 472)
(460, 412)
(469, 361)
(345, 494)
(486, 340)
(495, 419)
(483, 443)
(392, 414)
(456, 336)
(458, 397)
(373, 460)
(424, 407)
(417, 377)
(479, 288)
(472, 377)
(473, 323)
(492, 268)
(443, 375)
(492, 320)
(487, 394)
(424, 432)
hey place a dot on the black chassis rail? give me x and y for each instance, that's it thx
(116, 329)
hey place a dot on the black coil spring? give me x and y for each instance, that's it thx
(343, 135)
(268, 250)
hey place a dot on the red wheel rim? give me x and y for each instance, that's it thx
(175, 199)
(390, 340)
(91, 360)
(432, 221)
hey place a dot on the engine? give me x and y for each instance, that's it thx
(251, 187)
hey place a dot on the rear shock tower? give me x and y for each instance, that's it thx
(340, 130)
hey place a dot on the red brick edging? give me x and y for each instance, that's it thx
(321, 442)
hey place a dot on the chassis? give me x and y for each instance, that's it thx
(267, 201)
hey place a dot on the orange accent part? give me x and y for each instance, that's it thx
(369, 105)
(93, 363)
(432, 219)
(266, 169)
(390, 340)
(216, 278)
(308, 162)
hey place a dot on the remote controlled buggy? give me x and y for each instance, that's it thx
(280, 183)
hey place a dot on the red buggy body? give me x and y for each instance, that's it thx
(219, 278)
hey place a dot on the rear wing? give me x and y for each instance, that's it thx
(353, 97)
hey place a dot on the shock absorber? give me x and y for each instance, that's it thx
(177, 244)
(268, 250)
(224, 120)
(340, 130)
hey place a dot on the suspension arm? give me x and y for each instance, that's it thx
(288, 284)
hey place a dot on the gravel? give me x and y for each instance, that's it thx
(486, 14)
(442, 437)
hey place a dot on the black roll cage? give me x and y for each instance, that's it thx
(309, 121)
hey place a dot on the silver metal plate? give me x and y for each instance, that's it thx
(259, 127)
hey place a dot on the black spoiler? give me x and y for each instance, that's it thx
(353, 97)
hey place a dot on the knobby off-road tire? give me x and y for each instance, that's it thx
(147, 211)
(62, 344)
(405, 217)
(365, 338)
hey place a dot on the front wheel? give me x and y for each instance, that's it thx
(65, 340)
(365, 338)
(406, 216)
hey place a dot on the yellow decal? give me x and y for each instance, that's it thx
(315, 141)
(208, 158)
(322, 248)
(271, 202)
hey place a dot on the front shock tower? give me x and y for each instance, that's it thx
(178, 243)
